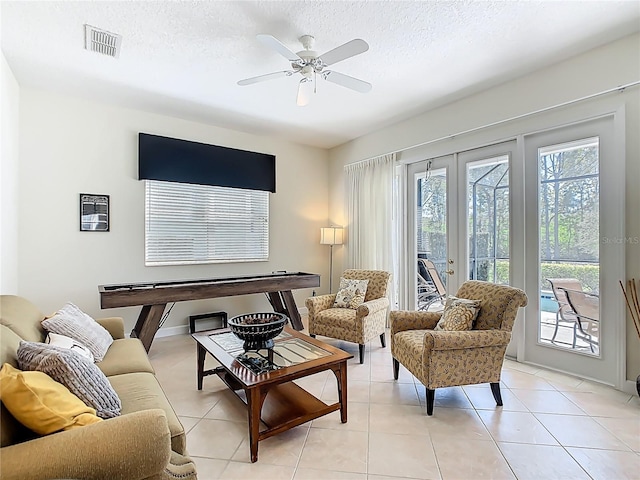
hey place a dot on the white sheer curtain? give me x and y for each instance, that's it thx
(370, 226)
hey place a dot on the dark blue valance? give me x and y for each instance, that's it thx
(174, 160)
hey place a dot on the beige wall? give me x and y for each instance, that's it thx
(601, 69)
(9, 118)
(70, 146)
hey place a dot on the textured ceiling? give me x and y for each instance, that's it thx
(183, 58)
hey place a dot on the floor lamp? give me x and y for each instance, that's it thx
(331, 236)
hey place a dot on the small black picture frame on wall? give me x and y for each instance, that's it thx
(94, 212)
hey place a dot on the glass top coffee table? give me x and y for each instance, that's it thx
(263, 379)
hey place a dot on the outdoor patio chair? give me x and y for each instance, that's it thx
(566, 312)
(431, 288)
(447, 358)
(586, 308)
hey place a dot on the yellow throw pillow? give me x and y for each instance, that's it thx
(42, 404)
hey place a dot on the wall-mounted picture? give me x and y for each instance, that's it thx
(94, 213)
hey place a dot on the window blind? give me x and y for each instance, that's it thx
(190, 224)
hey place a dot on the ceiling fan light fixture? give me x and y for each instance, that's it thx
(308, 64)
(305, 89)
(307, 71)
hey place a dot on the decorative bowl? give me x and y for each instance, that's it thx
(257, 330)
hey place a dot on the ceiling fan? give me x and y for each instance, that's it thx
(309, 64)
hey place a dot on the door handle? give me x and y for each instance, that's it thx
(449, 272)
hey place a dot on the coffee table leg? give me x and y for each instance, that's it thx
(341, 376)
(254, 405)
(201, 354)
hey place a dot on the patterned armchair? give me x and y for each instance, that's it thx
(450, 358)
(360, 325)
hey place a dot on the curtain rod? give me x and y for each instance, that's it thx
(619, 89)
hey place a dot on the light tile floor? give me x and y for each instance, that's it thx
(551, 426)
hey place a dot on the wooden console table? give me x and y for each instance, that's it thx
(155, 296)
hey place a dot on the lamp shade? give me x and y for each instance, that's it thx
(331, 235)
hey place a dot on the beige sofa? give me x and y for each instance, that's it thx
(146, 441)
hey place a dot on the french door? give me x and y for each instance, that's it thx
(459, 218)
(574, 259)
(432, 226)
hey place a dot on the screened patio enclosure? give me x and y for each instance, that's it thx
(488, 220)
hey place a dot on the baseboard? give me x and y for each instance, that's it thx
(184, 329)
(171, 331)
(630, 387)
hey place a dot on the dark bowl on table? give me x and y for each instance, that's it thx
(257, 330)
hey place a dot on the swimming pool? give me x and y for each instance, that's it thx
(548, 302)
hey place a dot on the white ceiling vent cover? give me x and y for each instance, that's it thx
(101, 41)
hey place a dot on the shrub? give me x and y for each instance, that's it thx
(588, 274)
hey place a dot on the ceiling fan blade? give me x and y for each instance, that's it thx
(346, 81)
(275, 44)
(268, 76)
(305, 89)
(349, 49)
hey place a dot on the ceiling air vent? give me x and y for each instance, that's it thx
(101, 41)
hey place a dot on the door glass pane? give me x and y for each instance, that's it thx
(431, 232)
(488, 219)
(569, 194)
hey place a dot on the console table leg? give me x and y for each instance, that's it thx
(201, 354)
(148, 323)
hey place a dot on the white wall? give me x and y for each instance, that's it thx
(70, 146)
(600, 69)
(9, 118)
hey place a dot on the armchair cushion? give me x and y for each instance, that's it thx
(351, 293)
(458, 314)
(340, 317)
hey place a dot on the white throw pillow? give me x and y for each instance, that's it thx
(63, 341)
(74, 323)
(351, 293)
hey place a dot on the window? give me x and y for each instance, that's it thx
(192, 224)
